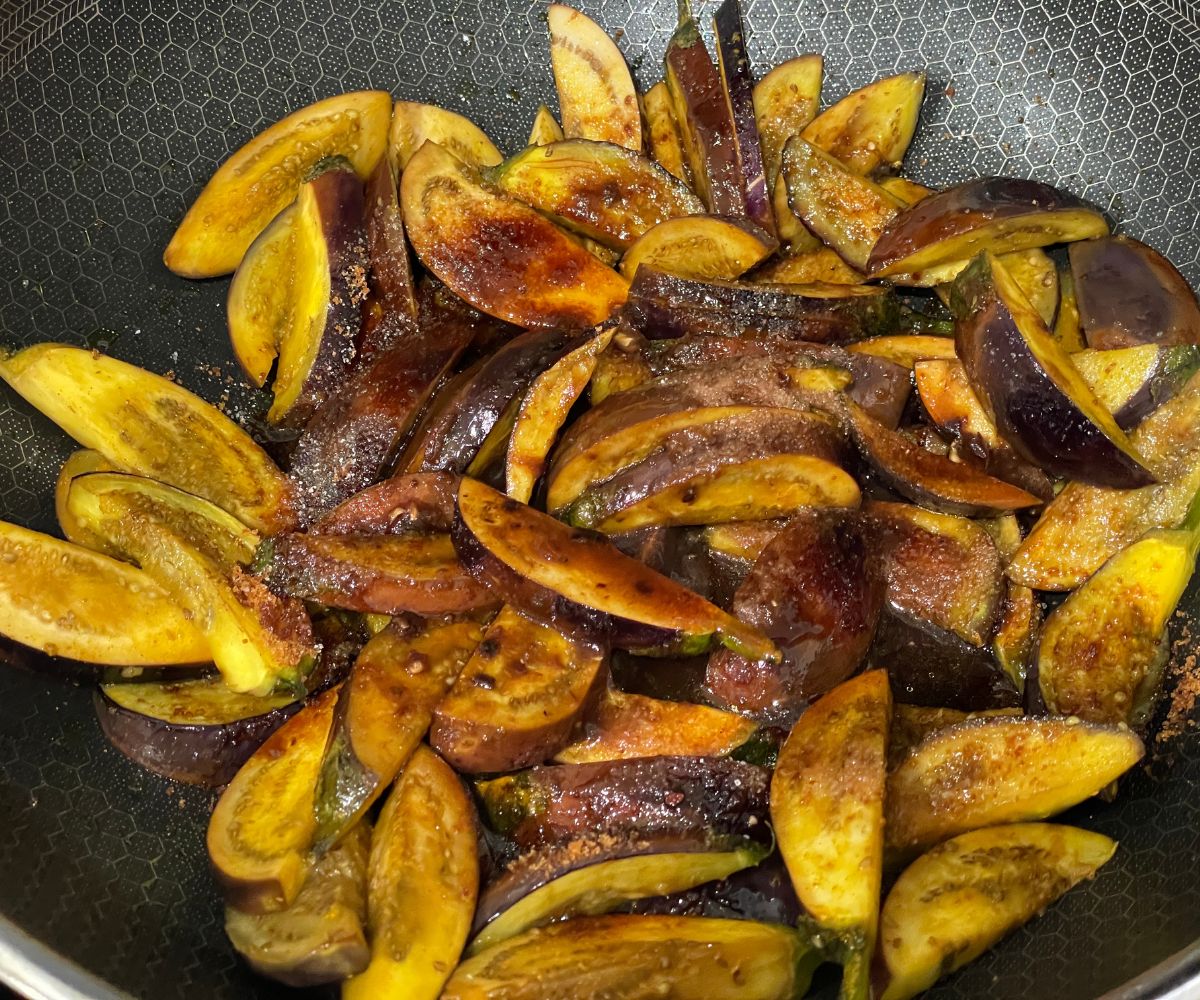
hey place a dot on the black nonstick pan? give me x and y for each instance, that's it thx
(113, 113)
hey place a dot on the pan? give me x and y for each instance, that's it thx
(113, 113)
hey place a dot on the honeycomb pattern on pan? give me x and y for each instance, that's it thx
(114, 114)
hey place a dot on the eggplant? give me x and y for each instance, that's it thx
(385, 575)
(1015, 642)
(1130, 294)
(996, 215)
(260, 179)
(1067, 330)
(965, 895)
(705, 119)
(906, 349)
(595, 875)
(145, 424)
(1037, 399)
(329, 287)
(78, 463)
(600, 190)
(392, 311)
(991, 771)
(414, 124)
(817, 266)
(785, 101)
(196, 552)
(818, 596)
(422, 884)
(908, 191)
(1132, 382)
(827, 807)
(196, 731)
(700, 247)
(687, 958)
(625, 726)
(679, 796)
(762, 893)
(662, 305)
(595, 88)
(518, 697)
(320, 937)
(737, 81)
(869, 130)
(911, 724)
(743, 540)
(566, 577)
(417, 502)
(545, 128)
(662, 132)
(500, 255)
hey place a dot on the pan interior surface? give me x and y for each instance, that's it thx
(115, 112)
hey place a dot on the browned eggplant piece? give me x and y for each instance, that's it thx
(1015, 643)
(931, 480)
(663, 306)
(662, 132)
(391, 310)
(1036, 397)
(737, 80)
(705, 119)
(701, 247)
(818, 266)
(415, 572)
(943, 569)
(1129, 294)
(908, 191)
(911, 724)
(1132, 382)
(499, 254)
(518, 697)
(420, 502)
(906, 349)
(352, 438)
(817, 594)
(600, 190)
(564, 576)
(258, 308)
(870, 129)
(743, 540)
(648, 796)
(330, 250)
(195, 731)
(1067, 330)
(993, 214)
(414, 124)
(451, 441)
(785, 101)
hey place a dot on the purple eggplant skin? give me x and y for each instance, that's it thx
(738, 82)
(763, 893)
(1042, 423)
(391, 312)
(881, 388)
(1130, 294)
(638, 798)
(931, 666)
(817, 592)
(408, 502)
(195, 755)
(463, 425)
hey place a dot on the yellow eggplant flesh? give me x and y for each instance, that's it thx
(820, 265)
(422, 884)
(871, 128)
(663, 132)
(701, 247)
(258, 308)
(147, 425)
(786, 100)
(258, 181)
(545, 128)
(79, 463)
(414, 124)
(906, 349)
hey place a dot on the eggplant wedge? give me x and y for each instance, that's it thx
(146, 424)
(392, 310)
(1067, 330)
(259, 306)
(420, 502)
(908, 191)
(814, 591)
(1103, 650)
(743, 540)
(560, 575)
(383, 711)
(827, 807)
(422, 883)
(846, 211)
(911, 724)
(870, 129)
(258, 181)
(785, 101)
(955, 902)
(991, 771)
(262, 826)
(1084, 525)
(600, 190)
(663, 132)
(1129, 294)
(635, 957)
(626, 726)
(817, 266)
(700, 247)
(414, 124)
(580, 880)
(906, 349)
(320, 937)
(536, 275)
(78, 463)
(545, 128)
(196, 730)
(1132, 382)
(931, 480)
(517, 699)
(1036, 397)
(994, 214)
(65, 600)
(195, 552)
(543, 411)
(595, 88)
